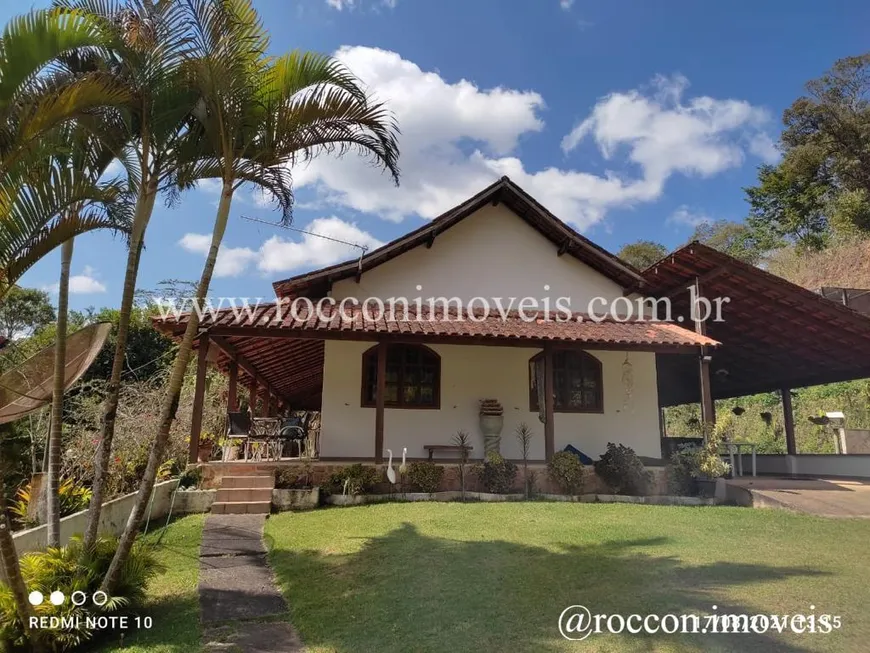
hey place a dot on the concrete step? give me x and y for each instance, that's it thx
(248, 482)
(241, 508)
(237, 494)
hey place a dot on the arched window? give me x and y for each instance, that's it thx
(413, 377)
(576, 381)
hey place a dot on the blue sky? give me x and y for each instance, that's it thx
(629, 120)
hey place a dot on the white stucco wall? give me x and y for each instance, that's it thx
(471, 373)
(492, 253)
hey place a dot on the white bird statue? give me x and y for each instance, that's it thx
(391, 473)
(403, 468)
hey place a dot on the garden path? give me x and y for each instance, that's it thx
(241, 608)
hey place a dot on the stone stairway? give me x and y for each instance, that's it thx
(244, 495)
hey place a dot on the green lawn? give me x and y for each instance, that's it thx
(494, 577)
(173, 599)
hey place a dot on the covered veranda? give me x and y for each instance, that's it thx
(775, 336)
(280, 357)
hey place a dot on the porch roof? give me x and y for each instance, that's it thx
(285, 350)
(775, 334)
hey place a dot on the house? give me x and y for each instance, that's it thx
(413, 376)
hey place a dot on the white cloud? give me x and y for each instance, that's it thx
(279, 254)
(457, 138)
(762, 146)
(663, 135)
(341, 5)
(85, 283)
(684, 216)
(231, 261)
(566, 4)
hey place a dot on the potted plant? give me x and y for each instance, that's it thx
(708, 464)
(206, 446)
(229, 449)
(491, 424)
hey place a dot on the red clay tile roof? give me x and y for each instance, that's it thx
(265, 321)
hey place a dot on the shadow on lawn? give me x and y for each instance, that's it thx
(408, 592)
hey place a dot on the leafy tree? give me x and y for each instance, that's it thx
(24, 311)
(822, 185)
(147, 352)
(788, 206)
(255, 116)
(833, 119)
(642, 253)
(732, 238)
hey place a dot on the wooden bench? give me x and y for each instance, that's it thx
(432, 448)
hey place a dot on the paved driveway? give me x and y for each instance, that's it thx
(816, 496)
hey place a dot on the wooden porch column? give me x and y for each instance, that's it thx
(198, 397)
(708, 407)
(788, 414)
(549, 396)
(253, 395)
(380, 396)
(233, 388)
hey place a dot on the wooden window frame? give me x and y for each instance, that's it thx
(598, 409)
(370, 357)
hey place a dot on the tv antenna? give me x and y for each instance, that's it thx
(363, 249)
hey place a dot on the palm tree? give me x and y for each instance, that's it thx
(34, 101)
(87, 156)
(148, 40)
(255, 116)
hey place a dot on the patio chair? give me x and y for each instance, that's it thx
(292, 430)
(238, 428)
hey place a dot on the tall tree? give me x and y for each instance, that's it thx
(822, 185)
(732, 238)
(254, 117)
(643, 253)
(34, 102)
(52, 503)
(89, 147)
(148, 43)
(23, 311)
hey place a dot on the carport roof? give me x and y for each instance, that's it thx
(774, 334)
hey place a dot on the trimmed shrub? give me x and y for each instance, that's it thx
(566, 471)
(426, 477)
(190, 479)
(621, 469)
(682, 470)
(73, 568)
(496, 474)
(353, 480)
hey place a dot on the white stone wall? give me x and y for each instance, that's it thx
(113, 519)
